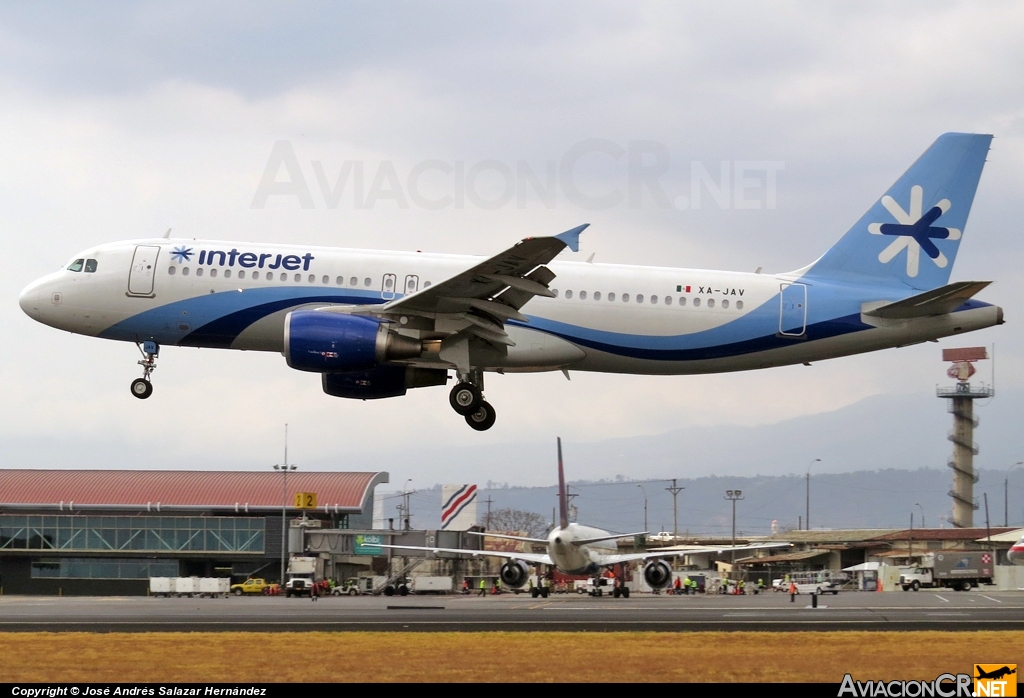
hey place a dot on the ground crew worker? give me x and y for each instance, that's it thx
(677, 586)
(792, 591)
(465, 585)
(760, 584)
(483, 587)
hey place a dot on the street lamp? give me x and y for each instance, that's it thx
(1006, 493)
(807, 517)
(645, 506)
(284, 468)
(918, 505)
(734, 496)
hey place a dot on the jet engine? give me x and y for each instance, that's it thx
(514, 574)
(658, 574)
(322, 341)
(381, 381)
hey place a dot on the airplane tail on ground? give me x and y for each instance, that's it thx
(563, 500)
(911, 235)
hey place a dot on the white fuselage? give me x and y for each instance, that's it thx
(610, 318)
(572, 558)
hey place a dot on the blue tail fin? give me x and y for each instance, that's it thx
(911, 235)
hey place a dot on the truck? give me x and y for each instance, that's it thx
(251, 586)
(952, 569)
(430, 585)
(301, 576)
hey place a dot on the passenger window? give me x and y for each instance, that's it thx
(725, 303)
(654, 300)
(583, 295)
(555, 291)
(639, 298)
(625, 298)
(312, 278)
(696, 302)
(597, 295)
(367, 281)
(241, 273)
(611, 296)
(213, 273)
(227, 273)
(682, 300)
(739, 305)
(298, 278)
(711, 302)
(326, 279)
(90, 266)
(256, 275)
(388, 281)
(184, 271)
(76, 265)
(426, 284)
(668, 300)
(568, 294)
(199, 271)
(340, 280)
(354, 281)
(284, 277)
(171, 269)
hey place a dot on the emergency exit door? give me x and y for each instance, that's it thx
(792, 309)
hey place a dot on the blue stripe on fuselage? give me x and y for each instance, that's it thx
(219, 318)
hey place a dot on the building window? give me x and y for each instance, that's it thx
(103, 568)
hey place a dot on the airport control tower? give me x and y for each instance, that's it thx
(961, 403)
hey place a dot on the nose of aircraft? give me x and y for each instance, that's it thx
(29, 299)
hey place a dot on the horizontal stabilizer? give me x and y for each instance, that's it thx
(939, 301)
(610, 536)
(507, 537)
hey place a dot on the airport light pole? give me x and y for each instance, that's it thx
(918, 505)
(284, 468)
(807, 517)
(675, 516)
(645, 505)
(734, 496)
(1006, 493)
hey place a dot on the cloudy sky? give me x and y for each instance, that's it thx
(121, 120)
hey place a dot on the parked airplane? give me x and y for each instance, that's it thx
(573, 548)
(1016, 553)
(375, 324)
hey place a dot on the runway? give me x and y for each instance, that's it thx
(925, 610)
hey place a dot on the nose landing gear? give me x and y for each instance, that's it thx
(467, 399)
(142, 387)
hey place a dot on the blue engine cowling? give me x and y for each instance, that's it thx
(514, 574)
(321, 341)
(658, 574)
(381, 381)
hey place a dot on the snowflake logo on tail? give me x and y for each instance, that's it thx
(914, 231)
(181, 254)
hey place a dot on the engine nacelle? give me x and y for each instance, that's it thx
(658, 574)
(322, 341)
(514, 574)
(381, 381)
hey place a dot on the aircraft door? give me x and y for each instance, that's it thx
(792, 310)
(412, 284)
(387, 289)
(143, 271)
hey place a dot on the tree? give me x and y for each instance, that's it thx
(510, 520)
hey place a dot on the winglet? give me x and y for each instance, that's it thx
(563, 500)
(572, 237)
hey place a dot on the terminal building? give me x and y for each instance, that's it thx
(108, 531)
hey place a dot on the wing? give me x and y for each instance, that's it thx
(632, 557)
(476, 304)
(938, 301)
(524, 539)
(680, 550)
(526, 557)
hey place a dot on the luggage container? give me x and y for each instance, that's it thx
(160, 586)
(214, 586)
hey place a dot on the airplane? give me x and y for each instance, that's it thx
(576, 549)
(375, 324)
(1016, 553)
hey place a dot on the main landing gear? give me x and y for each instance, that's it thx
(141, 387)
(468, 400)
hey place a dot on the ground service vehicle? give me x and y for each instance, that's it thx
(953, 569)
(250, 586)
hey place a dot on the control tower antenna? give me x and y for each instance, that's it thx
(961, 403)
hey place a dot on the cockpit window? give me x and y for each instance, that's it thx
(90, 266)
(76, 265)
